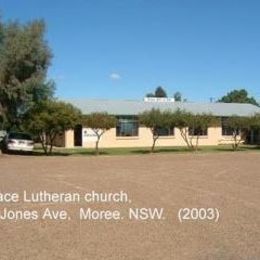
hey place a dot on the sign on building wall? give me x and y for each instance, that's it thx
(88, 135)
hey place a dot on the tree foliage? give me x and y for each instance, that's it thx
(49, 119)
(24, 60)
(177, 96)
(238, 96)
(155, 119)
(150, 95)
(159, 92)
(240, 127)
(255, 122)
(1, 122)
(99, 123)
(200, 122)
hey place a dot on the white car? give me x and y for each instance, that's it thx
(16, 141)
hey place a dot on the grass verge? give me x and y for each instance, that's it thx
(145, 150)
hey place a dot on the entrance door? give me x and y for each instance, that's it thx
(78, 135)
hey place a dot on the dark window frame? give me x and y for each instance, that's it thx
(121, 126)
(227, 131)
(198, 131)
(162, 131)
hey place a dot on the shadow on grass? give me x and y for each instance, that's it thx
(240, 148)
(253, 147)
(88, 152)
(204, 149)
(34, 153)
(161, 150)
(40, 153)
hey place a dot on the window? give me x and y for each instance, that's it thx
(225, 129)
(127, 126)
(163, 131)
(198, 131)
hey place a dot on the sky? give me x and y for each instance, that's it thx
(126, 48)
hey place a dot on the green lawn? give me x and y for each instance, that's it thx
(145, 150)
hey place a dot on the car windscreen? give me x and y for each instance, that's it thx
(20, 136)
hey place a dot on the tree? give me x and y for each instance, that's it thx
(155, 119)
(238, 96)
(240, 127)
(160, 92)
(1, 122)
(99, 123)
(24, 60)
(150, 95)
(49, 119)
(255, 122)
(255, 127)
(177, 96)
(191, 126)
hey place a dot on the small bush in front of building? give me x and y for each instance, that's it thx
(49, 119)
(99, 123)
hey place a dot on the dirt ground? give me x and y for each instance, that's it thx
(227, 181)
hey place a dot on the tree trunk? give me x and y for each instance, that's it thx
(51, 147)
(96, 148)
(191, 143)
(154, 141)
(197, 143)
(43, 143)
(235, 145)
(185, 138)
(152, 148)
(52, 138)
